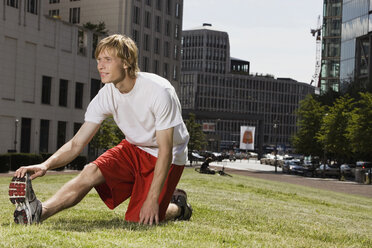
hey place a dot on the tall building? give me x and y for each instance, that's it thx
(356, 42)
(224, 96)
(47, 78)
(155, 25)
(331, 45)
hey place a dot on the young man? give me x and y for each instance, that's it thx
(146, 166)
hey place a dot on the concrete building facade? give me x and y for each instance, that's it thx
(155, 25)
(47, 79)
(224, 96)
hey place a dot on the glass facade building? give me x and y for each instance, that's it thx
(331, 45)
(355, 41)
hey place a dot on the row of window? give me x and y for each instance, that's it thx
(157, 70)
(31, 5)
(157, 23)
(198, 41)
(211, 54)
(63, 93)
(168, 6)
(45, 126)
(156, 45)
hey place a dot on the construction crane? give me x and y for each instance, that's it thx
(317, 33)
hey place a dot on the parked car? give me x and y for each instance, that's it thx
(348, 170)
(328, 171)
(291, 166)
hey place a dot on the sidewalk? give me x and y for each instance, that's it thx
(253, 168)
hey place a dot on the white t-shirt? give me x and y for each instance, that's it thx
(151, 105)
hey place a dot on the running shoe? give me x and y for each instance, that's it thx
(28, 207)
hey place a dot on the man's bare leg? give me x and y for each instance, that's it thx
(173, 211)
(73, 191)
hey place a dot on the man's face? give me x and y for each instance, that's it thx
(110, 67)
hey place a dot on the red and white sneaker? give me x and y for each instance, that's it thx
(28, 207)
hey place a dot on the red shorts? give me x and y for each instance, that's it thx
(128, 172)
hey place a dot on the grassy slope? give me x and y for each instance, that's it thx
(228, 212)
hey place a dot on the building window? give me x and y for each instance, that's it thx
(77, 126)
(167, 28)
(169, 7)
(44, 136)
(148, 2)
(74, 15)
(63, 92)
(53, 1)
(157, 46)
(158, 24)
(61, 133)
(178, 11)
(136, 15)
(146, 42)
(176, 31)
(156, 66)
(135, 36)
(147, 19)
(32, 6)
(95, 86)
(145, 64)
(174, 72)
(12, 3)
(54, 12)
(25, 135)
(158, 4)
(175, 52)
(46, 90)
(165, 70)
(79, 93)
(82, 43)
(166, 49)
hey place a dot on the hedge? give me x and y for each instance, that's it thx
(12, 161)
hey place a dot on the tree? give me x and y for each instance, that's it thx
(99, 28)
(333, 134)
(359, 130)
(197, 137)
(108, 136)
(309, 114)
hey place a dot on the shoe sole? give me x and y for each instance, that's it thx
(17, 190)
(17, 196)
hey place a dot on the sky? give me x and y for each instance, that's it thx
(273, 35)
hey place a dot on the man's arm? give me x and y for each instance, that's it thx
(65, 154)
(150, 209)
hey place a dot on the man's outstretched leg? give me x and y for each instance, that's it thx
(30, 210)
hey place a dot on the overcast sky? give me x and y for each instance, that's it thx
(274, 35)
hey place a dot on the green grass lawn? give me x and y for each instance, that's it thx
(233, 211)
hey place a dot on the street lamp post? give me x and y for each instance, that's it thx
(15, 134)
(276, 145)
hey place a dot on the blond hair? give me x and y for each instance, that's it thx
(124, 48)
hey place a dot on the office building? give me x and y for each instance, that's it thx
(48, 78)
(331, 45)
(224, 96)
(356, 43)
(155, 25)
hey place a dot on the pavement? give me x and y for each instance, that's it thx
(253, 168)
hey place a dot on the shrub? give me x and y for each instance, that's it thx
(78, 163)
(48, 155)
(4, 163)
